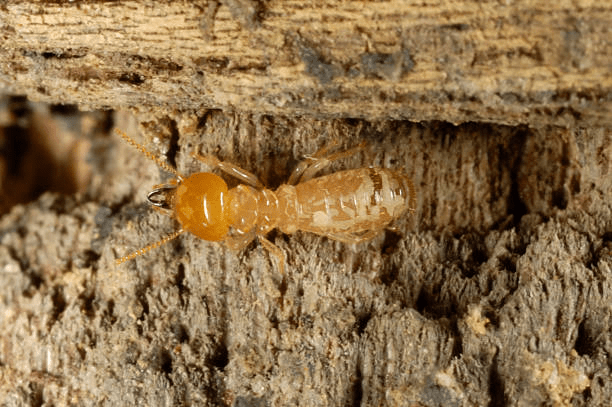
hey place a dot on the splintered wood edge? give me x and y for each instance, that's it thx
(451, 61)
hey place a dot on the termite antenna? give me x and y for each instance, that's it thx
(152, 246)
(148, 154)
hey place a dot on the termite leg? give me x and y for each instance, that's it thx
(352, 238)
(275, 250)
(308, 161)
(308, 168)
(239, 242)
(230, 169)
(322, 152)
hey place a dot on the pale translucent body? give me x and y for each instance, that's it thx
(350, 206)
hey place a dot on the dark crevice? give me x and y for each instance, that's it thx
(87, 299)
(220, 357)
(422, 302)
(274, 322)
(493, 318)
(496, 387)
(156, 64)
(91, 338)
(584, 344)
(37, 398)
(357, 387)
(15, 143)
(428, 304)
(179, 282)
(574, 184)
(508, 263)
(88, 259)
(586, 395)
(59, 303)
(165, 363)
(66, 110)
(559, 198)
(109, 314)
(599, 251)
(19, 106)
(48, 55)
(455, 27)
(206, 117)
(181, 333)
(362, 322)
(389, 274)
(213, 64)
(178, 247)
(592, 258)
(467, 252)
(107, 123)
(606, 237)
(391, 242)
(145, 306)
(67, 54)
(457, 339)
(173, 147)
(36, 281)
(61, 204)
(133, 78)
(283, 286)
(516, 207)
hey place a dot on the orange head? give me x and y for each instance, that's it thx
(199, 205)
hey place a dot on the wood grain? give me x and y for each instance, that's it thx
(522, 62)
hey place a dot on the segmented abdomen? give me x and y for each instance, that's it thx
(352, 201)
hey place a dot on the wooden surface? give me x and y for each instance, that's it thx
(525, 62)
(496, 291)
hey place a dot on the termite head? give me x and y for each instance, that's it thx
(197, 202)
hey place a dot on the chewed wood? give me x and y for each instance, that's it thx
(350, 206)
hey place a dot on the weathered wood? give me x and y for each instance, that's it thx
(508, 305)
(525, 62)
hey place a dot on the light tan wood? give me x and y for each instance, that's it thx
(514, 62)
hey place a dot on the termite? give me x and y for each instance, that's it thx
(351, 206)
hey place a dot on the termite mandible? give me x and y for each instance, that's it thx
(351, 206)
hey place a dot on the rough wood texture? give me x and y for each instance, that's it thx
(496, 292)
(516, 62)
